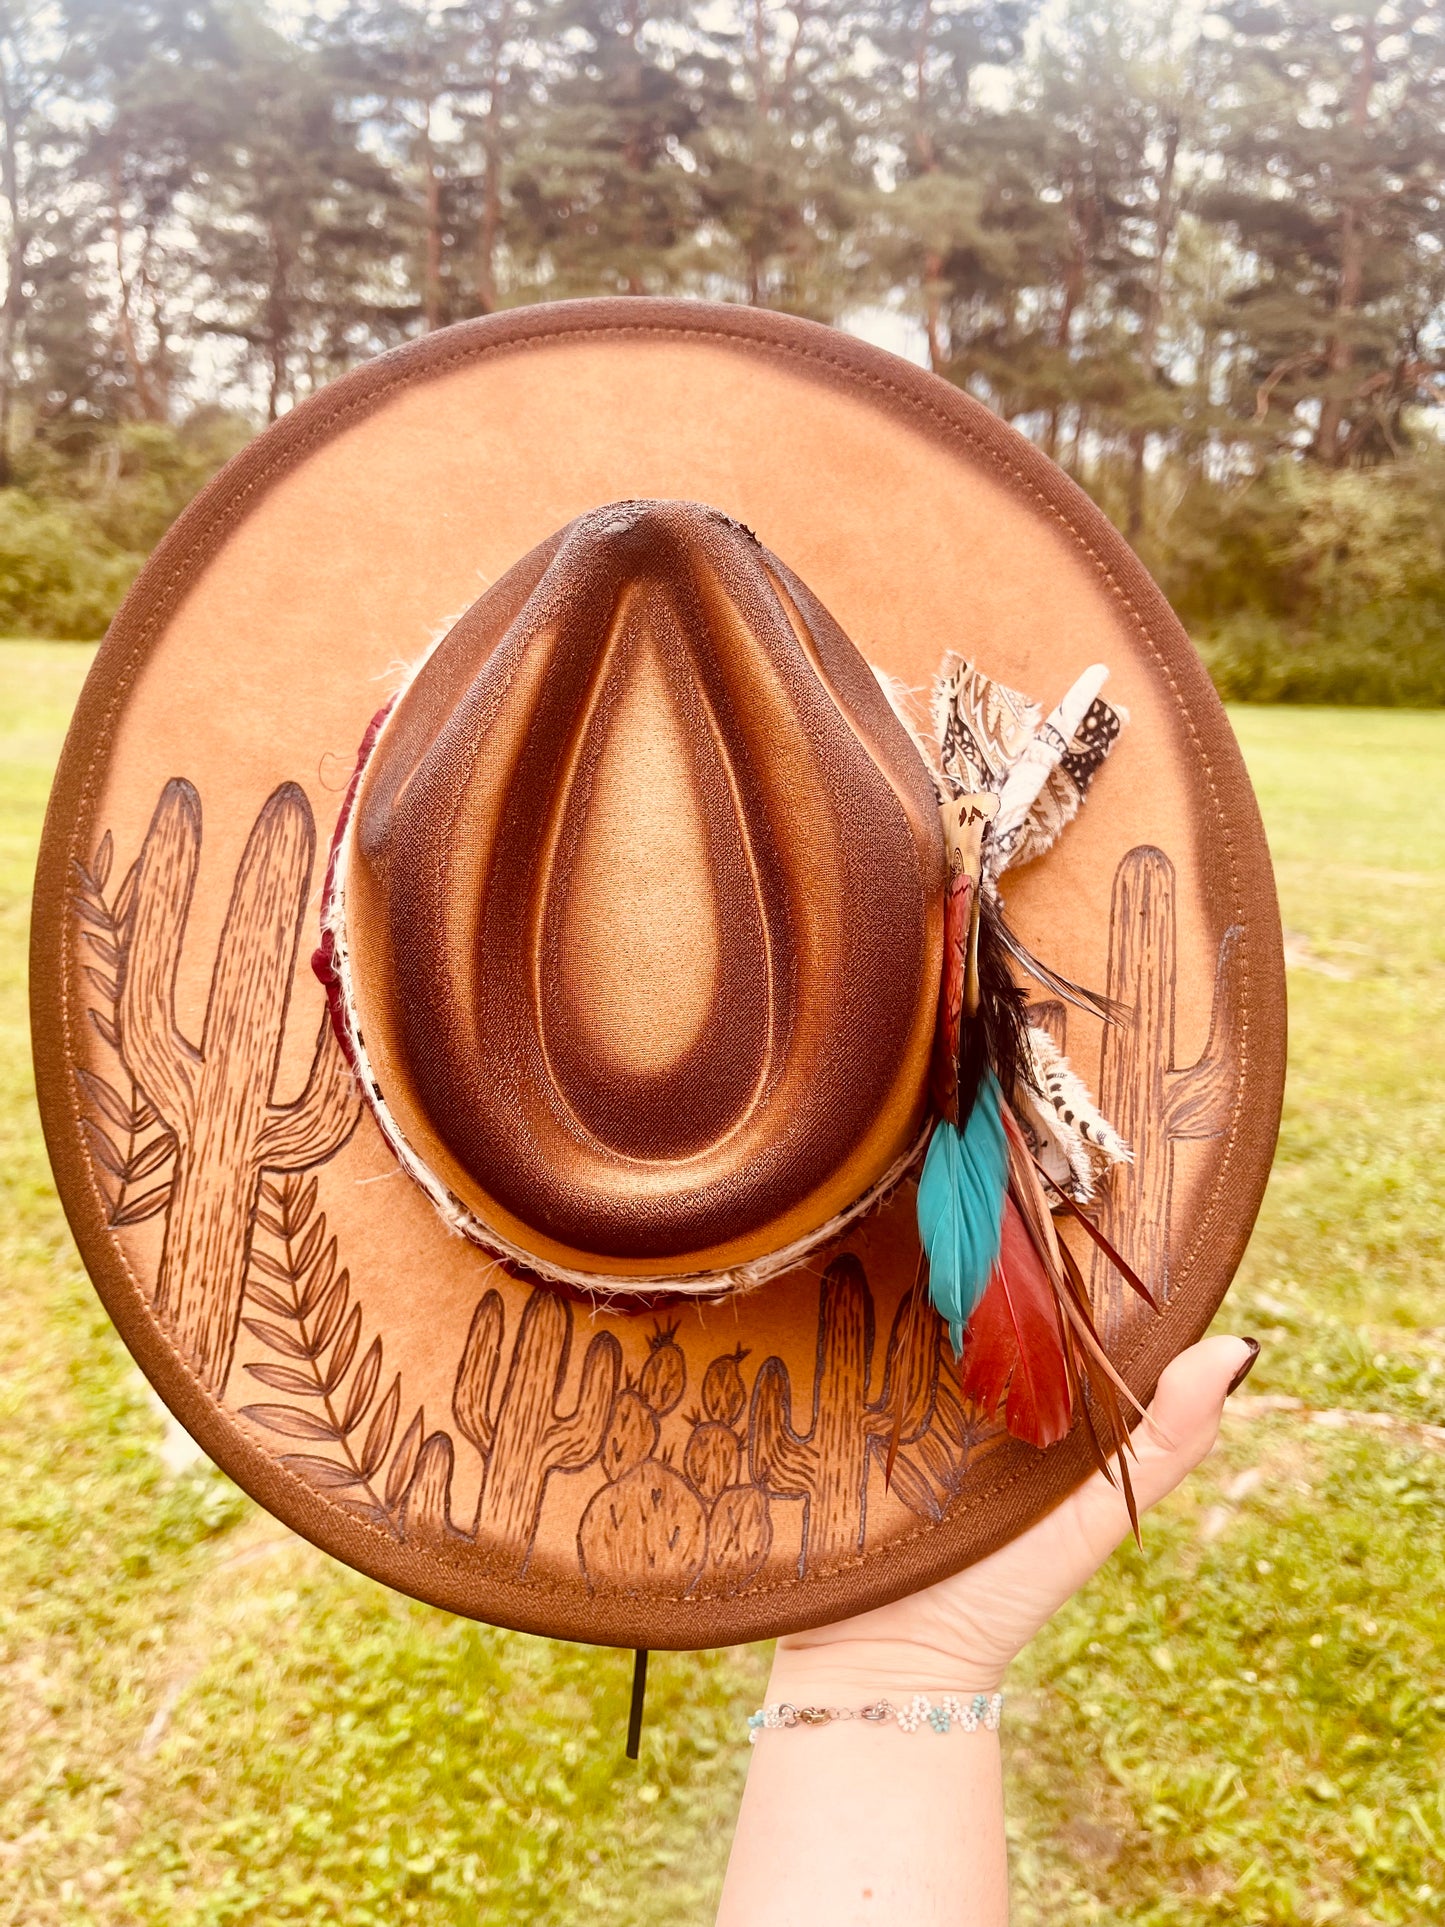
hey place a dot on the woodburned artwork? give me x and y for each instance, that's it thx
(666, 1453)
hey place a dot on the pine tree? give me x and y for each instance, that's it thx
(507, 45)
(782, 159)
(304, 262)
(942, 232)
(36, 151)
(1334, 150)
(604, 203)
(401, 64)
(151, 69)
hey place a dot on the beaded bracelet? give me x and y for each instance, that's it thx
(981, 1710)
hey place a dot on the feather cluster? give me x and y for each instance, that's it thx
(1019, 1137)
(1032, 1344)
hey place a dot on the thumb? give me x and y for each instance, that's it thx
(1177, 1433)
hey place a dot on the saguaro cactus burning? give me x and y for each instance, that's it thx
(217, 1099)
(1154, 1103)
(829, 1464)
(521, 1433)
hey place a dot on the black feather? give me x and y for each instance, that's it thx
(1094, 1002)
(995, 1037)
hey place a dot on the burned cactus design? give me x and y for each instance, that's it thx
(683, 1508)
(425, 1509)
(940, 1433)
(132, 1148)
(713, 1458)
(632, 1434)
(217, 1099)
(663, 1379)
(724, 1389)
(739, 1539)
(523, 1432)
(1154, 1103)
(303, 1313)
(828, 1466)
(646, 1526)
(740, 1523)
(645, 1529)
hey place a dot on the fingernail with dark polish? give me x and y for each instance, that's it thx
(1246, 1368)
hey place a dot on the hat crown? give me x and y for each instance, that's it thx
(645, 915)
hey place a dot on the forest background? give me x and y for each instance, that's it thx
(1196, 252)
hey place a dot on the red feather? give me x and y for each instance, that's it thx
(1014, 1345)
(943, 1075)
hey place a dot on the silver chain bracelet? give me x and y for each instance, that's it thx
(982, 1710)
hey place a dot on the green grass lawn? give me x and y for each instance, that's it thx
(202, 1720)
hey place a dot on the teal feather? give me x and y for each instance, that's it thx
(960, 1208)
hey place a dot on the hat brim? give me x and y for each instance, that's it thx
(714, 1474)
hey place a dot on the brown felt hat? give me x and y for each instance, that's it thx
(550, 1257)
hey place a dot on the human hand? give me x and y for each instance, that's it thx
(959, 1635)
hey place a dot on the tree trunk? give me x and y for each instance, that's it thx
(1329, 445)
(1138, 453)
(1149, 333)
(1081, 212)
(276, 380)
(490, 232)
(161, 365)
(10, 313)
(491, 211)
(795, 45)
(276, 330)
(1073, 294)
(1076, 463)
(432, 269)
(151, 407)
(926, 161)
(761, 87)
(932, 314)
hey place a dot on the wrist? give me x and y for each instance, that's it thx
(842, 1670)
